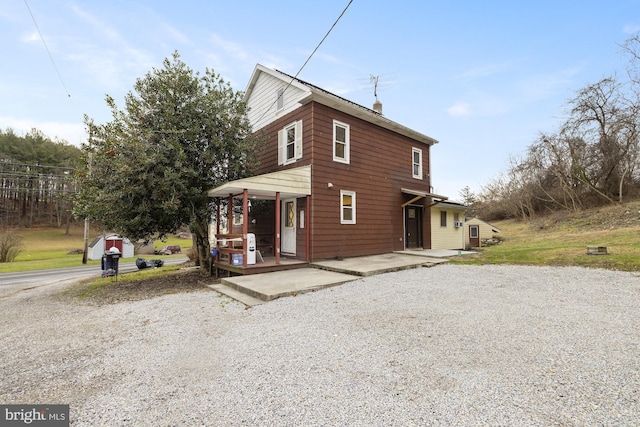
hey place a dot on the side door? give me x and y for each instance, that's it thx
(474, 236)
(288, 228)
(413, 227)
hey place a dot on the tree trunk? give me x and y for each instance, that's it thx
(201, 233)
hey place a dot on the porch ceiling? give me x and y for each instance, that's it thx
(289, 183)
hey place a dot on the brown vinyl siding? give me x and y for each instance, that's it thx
(380, 165)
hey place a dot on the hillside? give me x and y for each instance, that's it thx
(604, 218)
(562, 238)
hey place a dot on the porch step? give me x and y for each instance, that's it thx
(242, 297)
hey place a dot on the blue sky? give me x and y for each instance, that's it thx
(483, 78)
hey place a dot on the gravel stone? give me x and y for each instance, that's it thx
(448, 345)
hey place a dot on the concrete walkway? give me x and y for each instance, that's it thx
(256, 289)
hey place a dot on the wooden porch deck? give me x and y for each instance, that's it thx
(267, 266)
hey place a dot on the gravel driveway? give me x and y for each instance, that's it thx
(449, 345)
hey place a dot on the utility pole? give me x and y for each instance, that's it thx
(85, 253)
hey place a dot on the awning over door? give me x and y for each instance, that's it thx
(419, 194)
(289, 183)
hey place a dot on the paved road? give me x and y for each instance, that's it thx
(14, 283)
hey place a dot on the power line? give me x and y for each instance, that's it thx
(308, 59)
(49, 52)
(323, 39)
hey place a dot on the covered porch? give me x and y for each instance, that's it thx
(236, 251)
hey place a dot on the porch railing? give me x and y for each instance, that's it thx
(229, 250)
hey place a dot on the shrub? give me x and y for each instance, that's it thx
(10, 246)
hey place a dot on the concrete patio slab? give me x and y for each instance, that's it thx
(255, 289)
(269, 286)
(436, 253)
(376, 264)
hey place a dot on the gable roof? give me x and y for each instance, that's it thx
(477, 220)
(453, 206)
(322, 96)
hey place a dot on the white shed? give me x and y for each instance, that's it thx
(100, 244)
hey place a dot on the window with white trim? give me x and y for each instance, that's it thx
(290, 143)
(416, 159)
(341, 138)
(347, 207)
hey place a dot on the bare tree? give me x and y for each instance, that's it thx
(607, 122)
(10, 246)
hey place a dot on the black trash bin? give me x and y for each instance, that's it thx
(110, 262)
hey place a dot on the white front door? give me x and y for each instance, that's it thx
(288, 240)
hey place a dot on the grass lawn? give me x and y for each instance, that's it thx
(562, 245)
(45, 248)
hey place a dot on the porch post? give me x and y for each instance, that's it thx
(230, 215)
(245, 225)
(218, 221)
(307, 215)
(276, 243)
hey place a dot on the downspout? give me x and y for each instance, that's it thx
(245, 225)
(276, 243)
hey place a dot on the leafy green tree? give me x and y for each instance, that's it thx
(149, 168)
(37, 149)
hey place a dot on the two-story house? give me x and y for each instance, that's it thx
(336, 179)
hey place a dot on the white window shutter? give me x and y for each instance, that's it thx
(299, 139)
(281, 146)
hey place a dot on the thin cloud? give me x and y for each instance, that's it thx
(109, 59)
(72, 133)
(546, 85)
(234, 49)
(31, 37)
(631, 28)
(485, 70)
(459, 109)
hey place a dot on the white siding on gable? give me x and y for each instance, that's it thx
(263, 100)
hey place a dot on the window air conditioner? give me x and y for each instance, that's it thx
(457, 224)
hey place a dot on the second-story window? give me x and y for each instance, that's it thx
(290, 143)
(416, 157)
(341, 142)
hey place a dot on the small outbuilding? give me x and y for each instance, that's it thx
(100, 244)
(477, 230)
(447, 225)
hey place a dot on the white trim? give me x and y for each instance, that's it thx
(283, 143)
(293, 182)
(347, 143)
(415, 151)
(352, 194)
(298, 140)
(288, 234)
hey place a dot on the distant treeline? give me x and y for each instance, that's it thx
(36, 180)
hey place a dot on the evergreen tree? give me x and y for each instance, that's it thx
(150, 167)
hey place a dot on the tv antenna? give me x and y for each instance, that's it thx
(374, 79)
